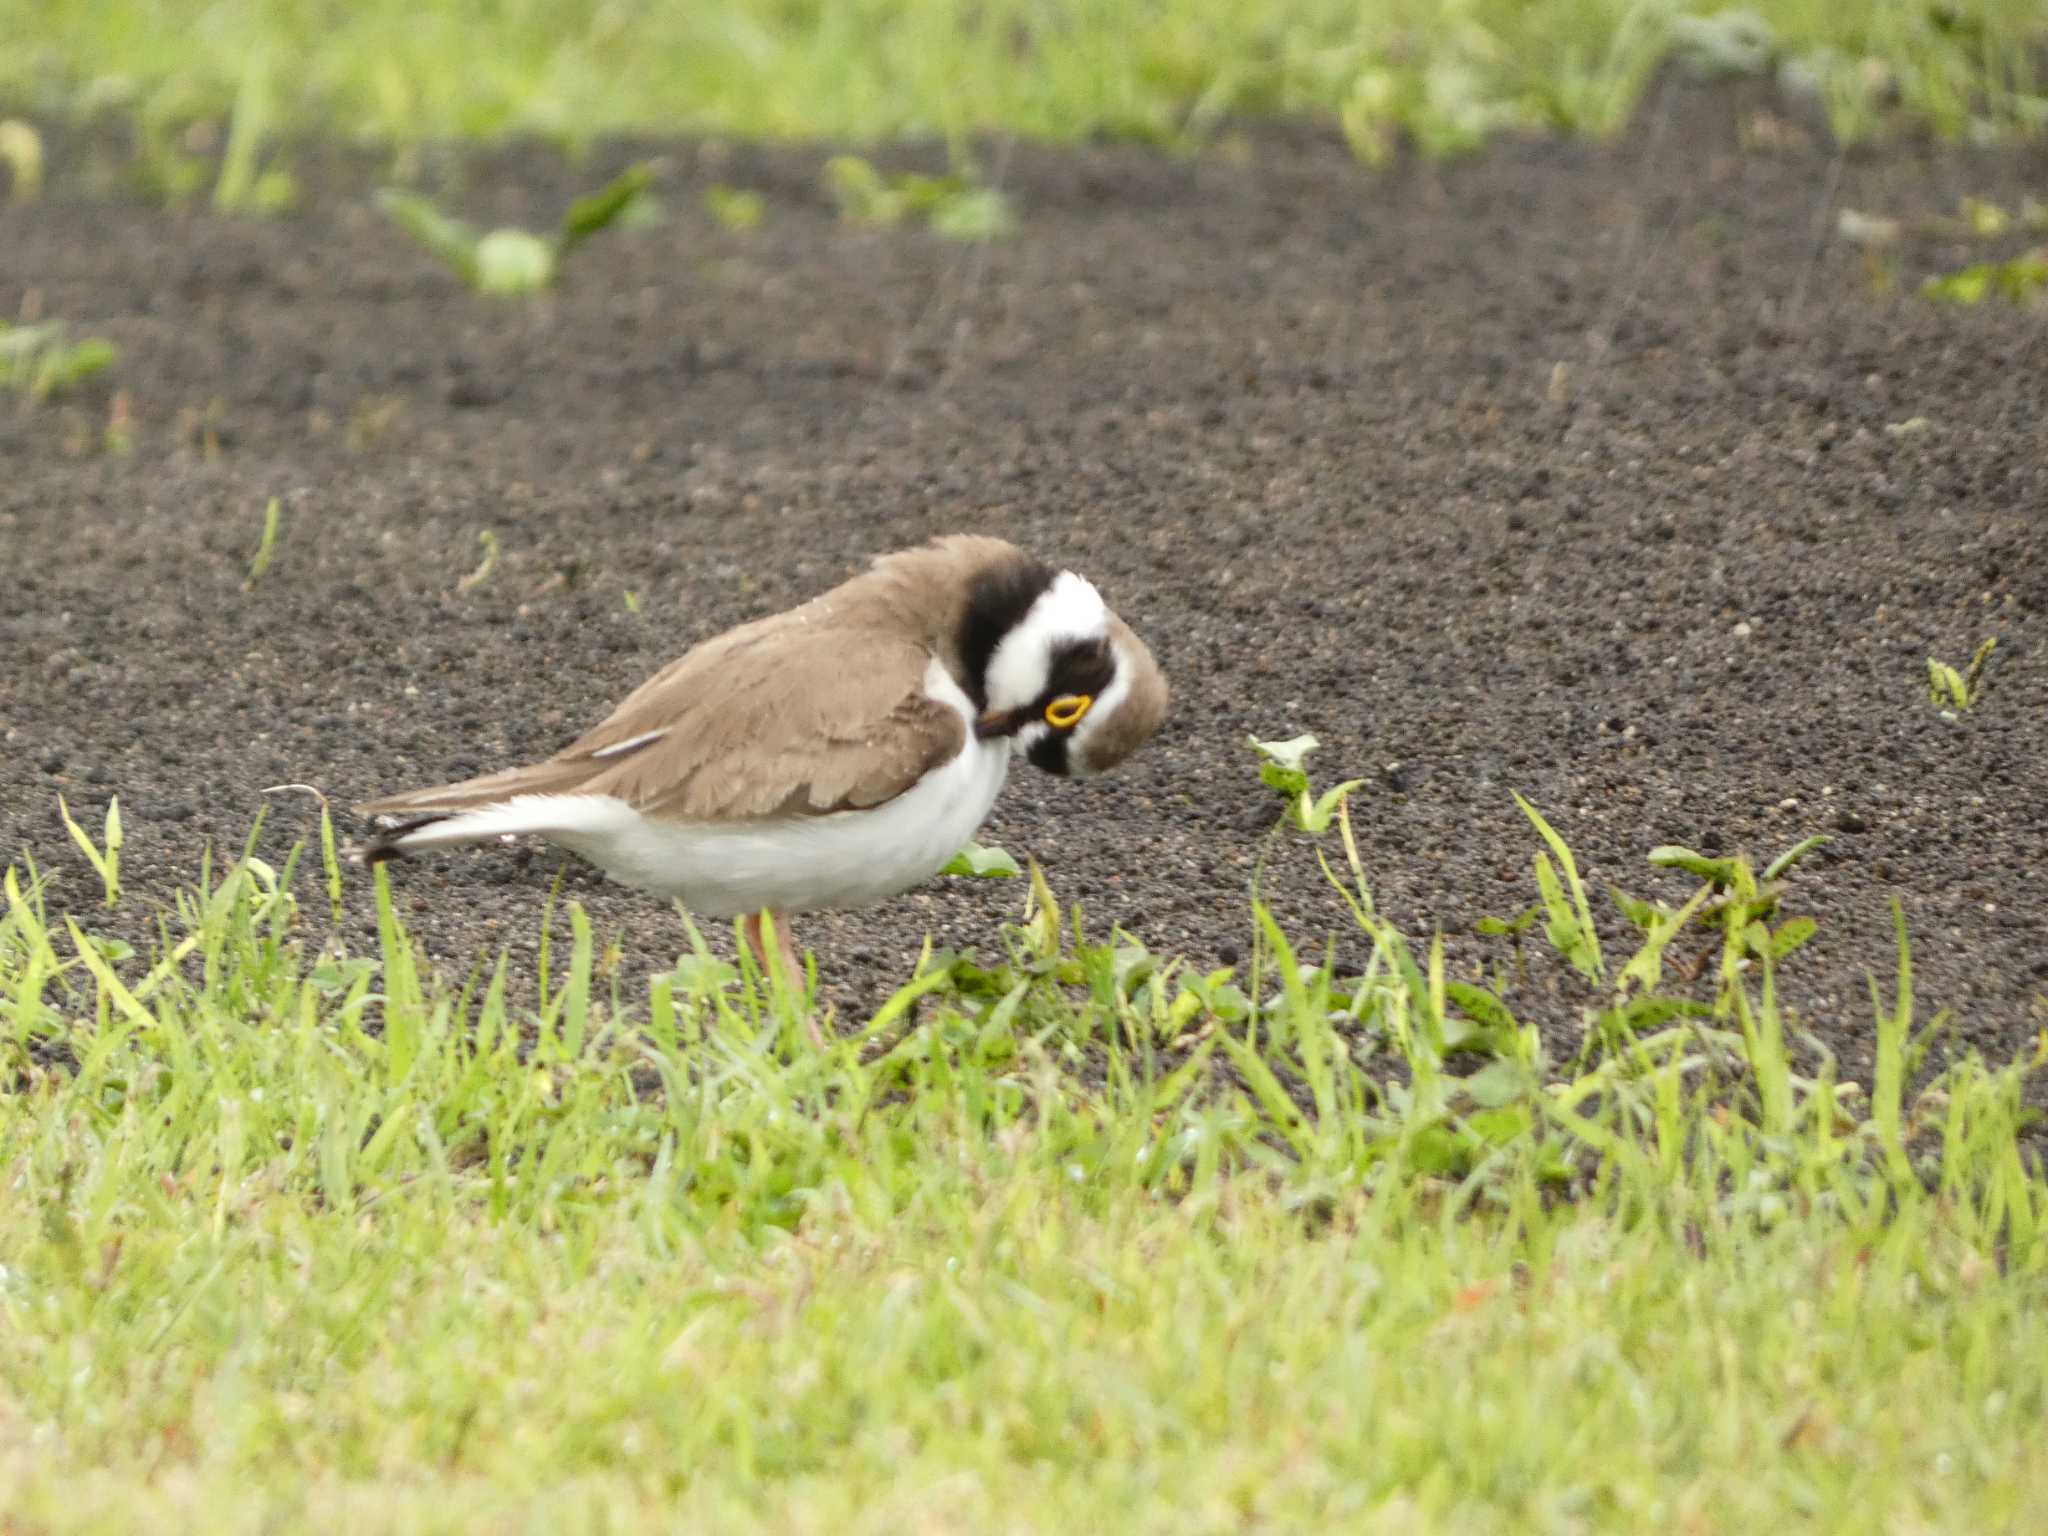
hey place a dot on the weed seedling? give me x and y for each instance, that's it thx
(1282, 771)
(735, 208)
(1952, 690)
(953, 205)
(245, 184)
(21, 151)
(476, 578)
(38, 363)
(2021, 280)
(266, 547)
(105, 856)
(986, 863)
(514, 261)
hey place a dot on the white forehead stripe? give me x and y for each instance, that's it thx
(1069, 609)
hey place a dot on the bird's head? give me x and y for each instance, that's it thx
(1058, 674)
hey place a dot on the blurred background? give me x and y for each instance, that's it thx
(1446, 72)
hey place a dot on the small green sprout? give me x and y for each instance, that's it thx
(330, 853)
(735, 208)
(245, 185)
(633, 604)
(984, 863)
(1949, 689)
(1983, 217)
(36, 361)
(1282, 772)
(266, 548)
(485, 566)
(2021, 280)
(107, 860)
(21, 151)
(514, 261)
(955, 205)
(1570, 927)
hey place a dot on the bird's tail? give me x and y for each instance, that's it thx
(528, 800)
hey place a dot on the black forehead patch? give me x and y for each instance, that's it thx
(1081, 666)
(996, 604)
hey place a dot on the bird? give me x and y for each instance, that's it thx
(826, 757)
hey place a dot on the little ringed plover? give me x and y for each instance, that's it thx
(832, 755)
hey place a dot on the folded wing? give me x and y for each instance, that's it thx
(788, 716)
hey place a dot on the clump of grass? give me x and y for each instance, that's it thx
(1391, 71)
(514, 261)
(2020, 280)
(1959, 691)
(37, 363)
(335, 1229)
(105, 855)
(955, 205)
(245, 183)
(178, 126)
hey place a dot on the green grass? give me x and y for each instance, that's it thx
(293, 1237)
(1447, 71)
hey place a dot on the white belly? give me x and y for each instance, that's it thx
(791, 864)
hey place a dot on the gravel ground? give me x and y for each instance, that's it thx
(1571, 470)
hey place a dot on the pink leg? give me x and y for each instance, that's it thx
(789, 962)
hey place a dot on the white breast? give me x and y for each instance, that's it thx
(791, 864)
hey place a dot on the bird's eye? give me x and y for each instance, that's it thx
(1065, 712)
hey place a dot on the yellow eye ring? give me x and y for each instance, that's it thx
(1065, 712)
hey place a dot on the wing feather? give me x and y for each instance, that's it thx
(791, 715)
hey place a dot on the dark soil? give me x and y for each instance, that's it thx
(1565, 470)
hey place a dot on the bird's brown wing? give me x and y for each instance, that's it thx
(788, 716)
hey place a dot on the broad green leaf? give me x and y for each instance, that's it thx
(1521, 922)
(983, 863)
(1480, 1006)
(1792, 933)
(63, 368)
(1291, 753)
(511, 261)
(1498, 1082)
(1718, 872)
(1316, 817)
